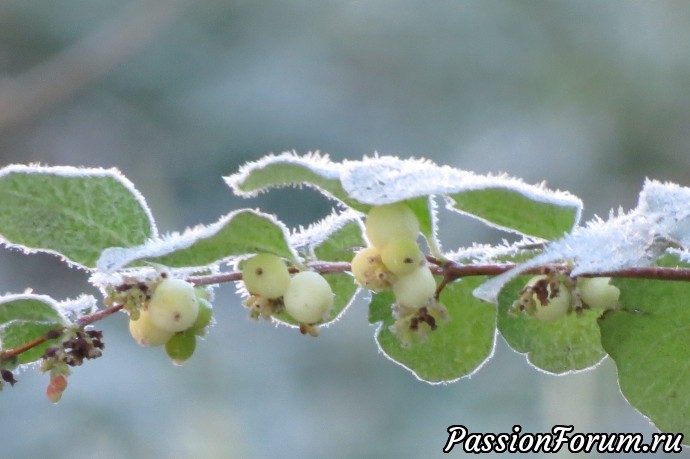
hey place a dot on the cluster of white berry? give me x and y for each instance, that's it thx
(552, 296)
(175, 315)
(395, 262)
(306, 296)
(172, 312)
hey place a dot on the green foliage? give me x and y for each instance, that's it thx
(285, 170)
(456, 349)
(75, 213)
(648, 340)
(24, 318)
(567, 344)
(241, 232)
(515, 211)
(340, 244)
(238, 233)
(96, 219)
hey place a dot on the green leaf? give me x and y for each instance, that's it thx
(238, 233)
(290, 170)
(568, 344)
(425, 211)
(497, 200)
(24, 318)
(380, 308)
(71, 212)
(516, 210)
(648, 340)
(455, 349)
(341, 244)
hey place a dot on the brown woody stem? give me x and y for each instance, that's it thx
(52, 334)
(450, 270)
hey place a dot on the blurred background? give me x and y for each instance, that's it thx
(589, 96)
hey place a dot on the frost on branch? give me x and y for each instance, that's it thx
(505, 252)
(635, 239)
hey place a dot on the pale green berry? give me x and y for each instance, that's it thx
(598, 293)
(146, 333)
(266, 275)
(180, 347)
(174, 306)
(402, 256)
(416, 289)
(555, 307)
(388, 222)
(369, 270)
(308, 297)
(203, 292)
(204, 318)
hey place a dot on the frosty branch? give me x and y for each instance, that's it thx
(564, 293)
(449, 271)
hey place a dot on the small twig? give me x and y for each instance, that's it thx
(98, 315)
(11, 353)
(52, 334)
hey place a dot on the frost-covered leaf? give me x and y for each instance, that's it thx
(424, 209)
(501, 201)
(498, 200)
(567, 344)
(668, 205)
(518, 210)
(24, 318)
(633, 239)
(648, 340)
(455, 349)
(238, 233)
(505, 252)
(74, 213)
(288, 169)
(335, 238)
(388, 179)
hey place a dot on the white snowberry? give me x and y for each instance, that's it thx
(553, 308)
(416, 289)
(266, 275)
(598, 293)
(369, 270)
(173, 306)
(146, 333)
(402, 256)
(308, 297)
(388, 222)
